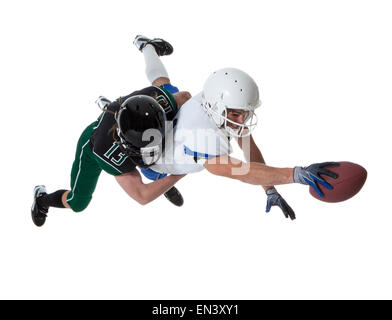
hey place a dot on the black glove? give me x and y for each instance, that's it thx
(311, 175)
(275, 199)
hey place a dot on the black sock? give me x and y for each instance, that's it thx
(52, 199)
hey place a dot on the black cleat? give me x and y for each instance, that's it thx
(38, 213)
(162, 47)
(174, 196)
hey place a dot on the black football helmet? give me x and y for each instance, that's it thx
(141, 129)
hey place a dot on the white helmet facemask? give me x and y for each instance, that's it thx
(231, 89)
(244, 129)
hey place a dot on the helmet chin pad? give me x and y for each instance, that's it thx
(151, 155)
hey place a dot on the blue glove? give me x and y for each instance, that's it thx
(275, 199)
(311, 175)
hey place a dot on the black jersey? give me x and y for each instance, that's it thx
(103, 142)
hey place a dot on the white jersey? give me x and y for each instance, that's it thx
(194, 139)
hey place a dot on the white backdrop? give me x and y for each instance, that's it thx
(324, 70)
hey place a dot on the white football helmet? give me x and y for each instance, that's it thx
(231, 88)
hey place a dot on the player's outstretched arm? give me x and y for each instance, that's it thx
(259, 174)
(251, 172)
(145, 193)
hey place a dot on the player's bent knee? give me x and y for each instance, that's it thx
(78, 204)
(78, 209)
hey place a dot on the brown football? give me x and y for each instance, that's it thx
(351, 179)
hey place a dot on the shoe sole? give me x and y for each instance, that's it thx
(153, 42)
(33, 207)
(180, 198)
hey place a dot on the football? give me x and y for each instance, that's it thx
(351, 179)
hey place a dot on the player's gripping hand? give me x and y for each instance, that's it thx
(311, 175)
(275, 199)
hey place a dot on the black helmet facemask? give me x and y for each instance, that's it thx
(141, 128)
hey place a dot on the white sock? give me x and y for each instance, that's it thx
(154, 66)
